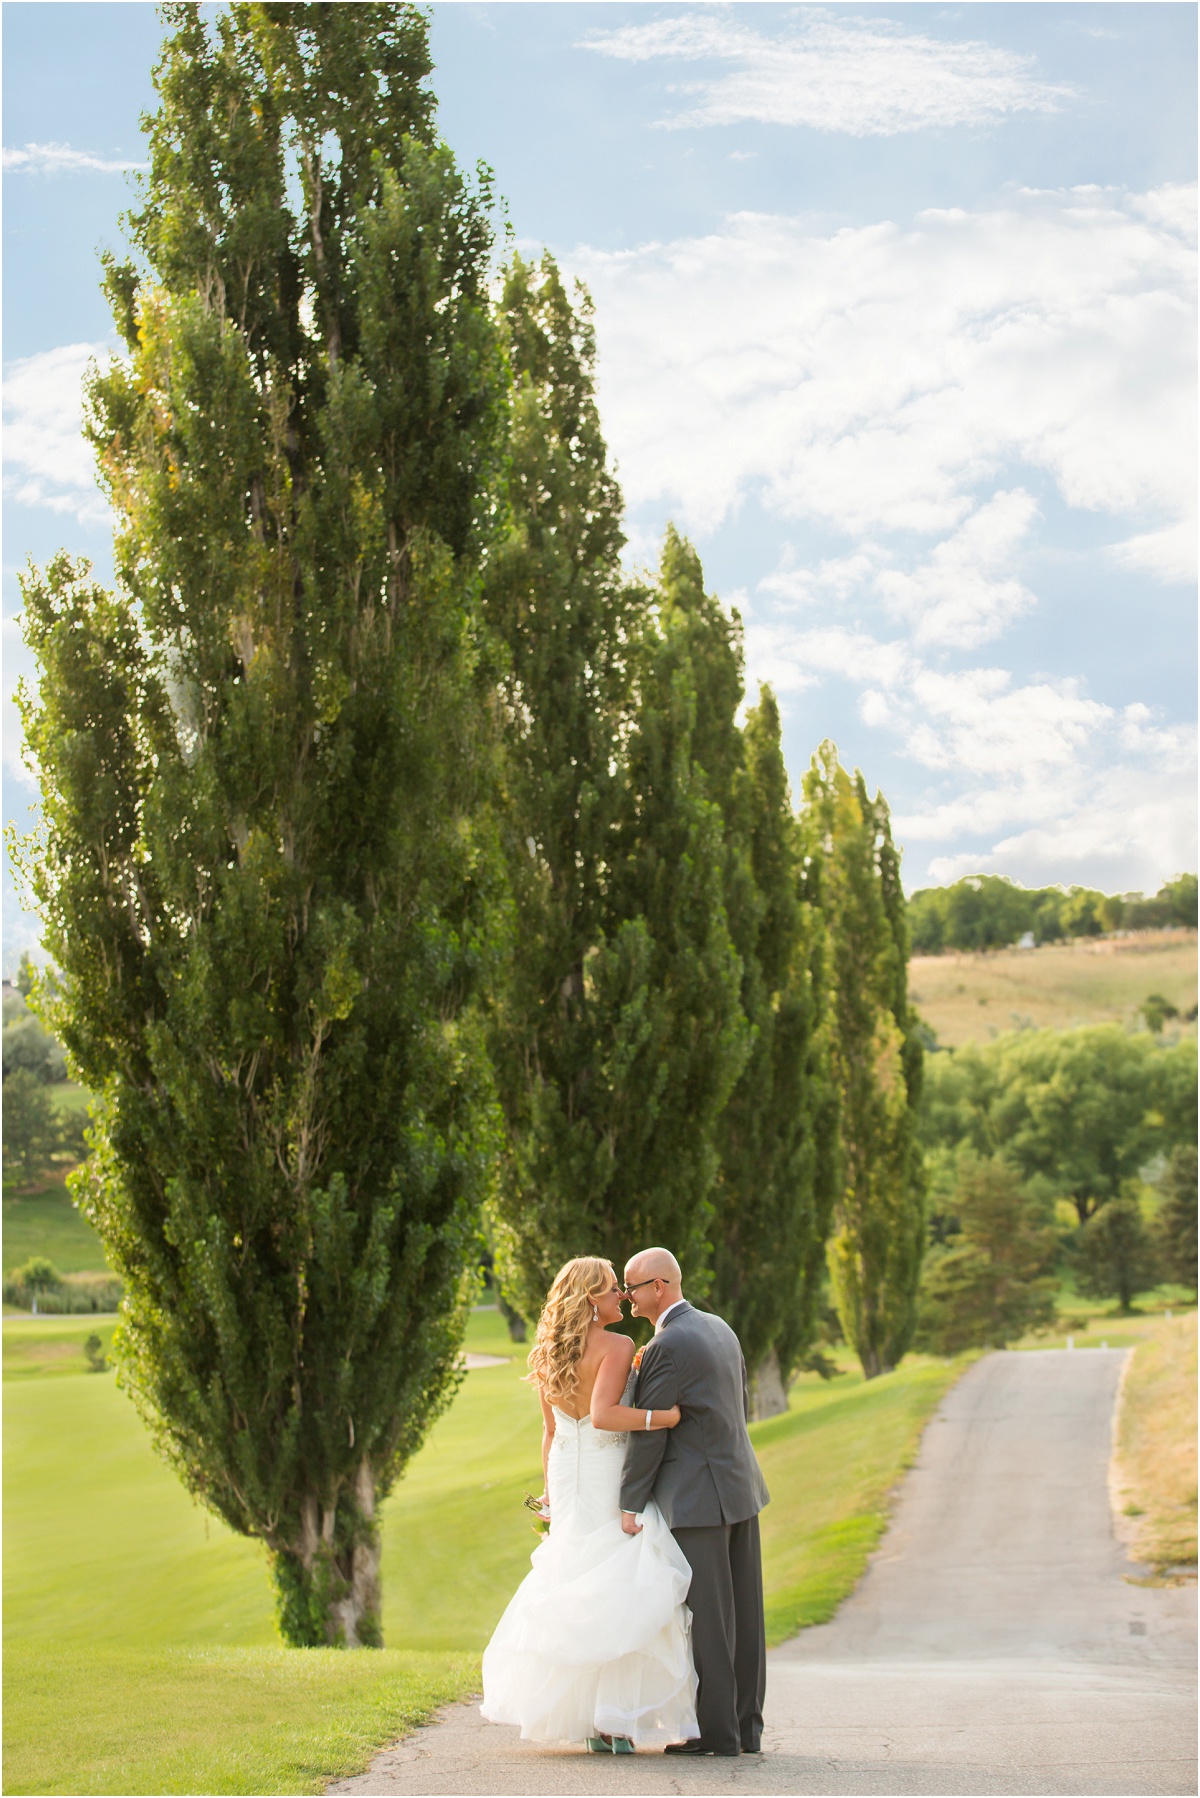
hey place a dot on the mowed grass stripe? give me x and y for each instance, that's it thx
(104, 1549)
(210, 1720)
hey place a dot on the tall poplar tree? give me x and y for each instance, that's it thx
(879, 1225)
(776, 1136)
(267, 874)
(620, 1032)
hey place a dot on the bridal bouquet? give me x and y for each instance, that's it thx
(541, 1523)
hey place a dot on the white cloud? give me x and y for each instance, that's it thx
(879, 379)
(1123, 829)
(46, 461)
(1051, 784)
(961, 596)
(833, 72)
(50, 159)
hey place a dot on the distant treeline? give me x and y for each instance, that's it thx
(986, 911)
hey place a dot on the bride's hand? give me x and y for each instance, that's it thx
(672, 1415)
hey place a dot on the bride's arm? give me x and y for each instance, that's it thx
(547, 1439)
(607, 1411)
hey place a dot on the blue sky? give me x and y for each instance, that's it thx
(895, 311)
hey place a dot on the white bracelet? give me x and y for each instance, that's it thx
(649, 1420)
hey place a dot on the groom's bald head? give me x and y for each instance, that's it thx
(653, 1280)
(655, 1264)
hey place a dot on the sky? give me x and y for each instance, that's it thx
(895, 312)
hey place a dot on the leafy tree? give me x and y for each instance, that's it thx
(268, 876)
(1179, 896)
(619, 1032)
(993, 1283)
(38, 1276)
(1176, 1222)
(879, 1227)
(1156, 1010)
(1082, 1109)
(30, 1122)
(27, 1045)
(1115, 1254)
(778, 1134)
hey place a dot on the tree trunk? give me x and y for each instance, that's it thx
(328, 1584)
(768, 1396)
(517, 1328)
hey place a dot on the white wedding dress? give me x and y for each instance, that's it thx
(597, 1638)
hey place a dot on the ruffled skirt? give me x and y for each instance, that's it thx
(597, 1639)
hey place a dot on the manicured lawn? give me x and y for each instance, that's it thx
(194, 1720)
(44, 1222)
(142, 1652)
(52, 1345)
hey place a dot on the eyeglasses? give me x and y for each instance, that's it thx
(650, 1282)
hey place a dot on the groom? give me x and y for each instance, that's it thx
(707, 1484)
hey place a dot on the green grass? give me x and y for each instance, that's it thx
(43, 1221)
(52, 1345)
(112, 1719)
(104, 1550)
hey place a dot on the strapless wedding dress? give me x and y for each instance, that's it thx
(597, 1639)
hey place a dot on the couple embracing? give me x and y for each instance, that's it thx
(641, 1622)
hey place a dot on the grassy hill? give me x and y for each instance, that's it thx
(970, 998)
(140, 1651)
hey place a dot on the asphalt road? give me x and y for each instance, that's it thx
(999, 1643)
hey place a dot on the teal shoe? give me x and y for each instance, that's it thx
(622, 1745)
(598, 1745)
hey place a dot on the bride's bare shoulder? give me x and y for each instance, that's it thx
(621, 1346)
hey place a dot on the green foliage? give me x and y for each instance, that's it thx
(267, 875)
(39, 1275)
(879, 1226)
(1180, 895)
(26, 975)
(1156, 1010)
(74, 1295)
(1115, 1254)
(988, 911)
(992, 1282)
(29, 1047)
(31, 1128)
(777, 1136)
(93, 1349)
(1082, 1109)
(619, 1034)
(1176, 1220)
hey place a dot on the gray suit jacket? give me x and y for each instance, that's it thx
(702, 1472)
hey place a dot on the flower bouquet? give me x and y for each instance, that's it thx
(541, 1513)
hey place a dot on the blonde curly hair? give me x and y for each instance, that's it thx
(563, 1327)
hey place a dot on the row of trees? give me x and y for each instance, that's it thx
(1092, 1119)
(403, 861)
(987, 911)
(35, 1129)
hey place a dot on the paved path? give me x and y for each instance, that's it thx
(996, 1644)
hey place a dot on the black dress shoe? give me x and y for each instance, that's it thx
(697, 1745)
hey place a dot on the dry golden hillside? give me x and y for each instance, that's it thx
(971, 998)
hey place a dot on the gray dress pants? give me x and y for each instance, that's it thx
(729, 1639)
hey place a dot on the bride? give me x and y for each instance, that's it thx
(595, 1645)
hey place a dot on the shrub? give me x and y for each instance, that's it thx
(30, 1123)
(75, 1295)
(1176, 1221)
(993, 1283)
(1115, 1254)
